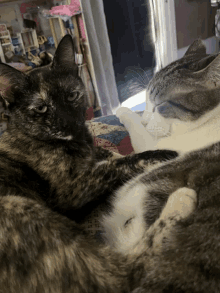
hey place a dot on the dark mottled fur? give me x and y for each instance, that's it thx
(50, 175)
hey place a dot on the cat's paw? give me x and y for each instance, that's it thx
(116, 156)
(122, 111)
(124, 114)
(149, 159)
(180, 204)
(130, 119)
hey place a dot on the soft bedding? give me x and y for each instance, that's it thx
(109, 133)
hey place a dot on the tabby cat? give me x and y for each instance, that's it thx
(186, 94)
(52, 177)
(183, 99)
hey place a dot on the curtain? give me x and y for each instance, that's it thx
(95, 24)
(163, 25)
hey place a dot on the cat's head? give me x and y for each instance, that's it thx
(189, 87)
(49, 102)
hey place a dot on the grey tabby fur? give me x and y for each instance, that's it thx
(186, 92)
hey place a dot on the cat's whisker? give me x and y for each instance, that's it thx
(142, 79)
(136, 87)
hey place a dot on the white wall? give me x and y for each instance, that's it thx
(7, 13)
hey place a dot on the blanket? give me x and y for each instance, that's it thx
(109, 133)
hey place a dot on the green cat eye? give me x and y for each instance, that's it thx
(72, 96)
(41, 109)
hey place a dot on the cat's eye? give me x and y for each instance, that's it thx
(72, 96)
(40, 109)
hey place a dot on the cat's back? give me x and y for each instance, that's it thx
(189, 261)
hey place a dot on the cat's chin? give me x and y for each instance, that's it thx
(68, 138)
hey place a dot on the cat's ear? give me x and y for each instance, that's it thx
(65, 54)
(197, 47)
(10, 79)
(213, 70)
(210, 75)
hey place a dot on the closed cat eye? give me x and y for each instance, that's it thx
(72, 96)
(41, 109)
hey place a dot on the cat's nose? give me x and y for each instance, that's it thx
(157, 101)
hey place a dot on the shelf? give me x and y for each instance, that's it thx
(27, 30)
(26, 47)
(7, 44)
(33, 44)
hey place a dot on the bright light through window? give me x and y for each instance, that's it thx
(138, 99)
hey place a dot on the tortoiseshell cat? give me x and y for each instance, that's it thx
(51, 177)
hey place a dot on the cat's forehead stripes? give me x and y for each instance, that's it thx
(187, 88)
(39, 99)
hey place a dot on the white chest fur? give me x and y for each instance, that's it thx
(125, 225)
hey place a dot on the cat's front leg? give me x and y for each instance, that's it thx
(102, 154)
(180, 205)
(142, 160)
(96, 184)
(141, 140)
(145, 160)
